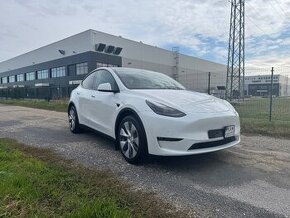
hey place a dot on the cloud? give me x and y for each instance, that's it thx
(199, 27)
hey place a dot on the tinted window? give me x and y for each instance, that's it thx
(89, 81)
(20, 77)
(42, 74)
(4, 80)
(104, 76)
(82, 68)
(11, 79)
(58, 72)
(145, 79)
(30, 76)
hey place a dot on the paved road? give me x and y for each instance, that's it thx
(250, 179)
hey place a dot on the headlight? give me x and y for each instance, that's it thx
(164, 110)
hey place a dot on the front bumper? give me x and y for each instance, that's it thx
(178, 135)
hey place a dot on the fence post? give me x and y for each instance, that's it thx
(271, 94)
(208, 85)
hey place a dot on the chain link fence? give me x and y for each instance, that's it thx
(266, 95)
(47, 93)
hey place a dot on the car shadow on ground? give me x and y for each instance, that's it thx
(190, 161)
(211, 168)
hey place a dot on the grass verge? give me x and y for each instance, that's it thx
(53, 105)
(264, 127)
(38, 183)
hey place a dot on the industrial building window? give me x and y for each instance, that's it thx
(58, 72)
(4, 80)
(30, 76)
(42, 74)
(82, 68)
(11, 79)
(112, 65)
(99, 64)
(20, 77)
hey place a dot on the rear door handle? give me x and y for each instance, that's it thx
(78, 93)
(93, 96)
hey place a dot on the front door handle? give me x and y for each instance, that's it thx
(78, 93)
(93, 96)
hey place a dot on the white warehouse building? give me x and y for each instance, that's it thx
(54, 70)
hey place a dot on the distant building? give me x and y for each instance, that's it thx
(54, 70)
(260, 85)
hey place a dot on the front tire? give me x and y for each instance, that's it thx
(73, 120)
(132, 139)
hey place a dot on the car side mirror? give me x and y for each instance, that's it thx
(105, 87)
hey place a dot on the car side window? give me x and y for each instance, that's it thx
(104, 76)
(89, 82)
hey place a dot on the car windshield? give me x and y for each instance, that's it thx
(144, 79)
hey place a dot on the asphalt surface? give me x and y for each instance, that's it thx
(251, 179)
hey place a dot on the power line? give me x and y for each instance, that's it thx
(256, 12)
(279, 5)
(259, 28)
(252, 21)
(252, 7)
(279, 12)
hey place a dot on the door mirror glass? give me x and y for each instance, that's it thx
(105, 87)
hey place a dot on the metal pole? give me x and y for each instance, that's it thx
(229, 54)
(240, 48)
(243, 23)
(208, 85)
(271, 94)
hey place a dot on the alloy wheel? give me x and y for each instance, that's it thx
(129, 139)
(72, 119)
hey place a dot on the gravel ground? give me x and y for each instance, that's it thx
(250, 179)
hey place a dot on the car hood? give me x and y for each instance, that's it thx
(186, 101)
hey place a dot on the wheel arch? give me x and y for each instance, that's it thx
(126, 112)
(70, 105)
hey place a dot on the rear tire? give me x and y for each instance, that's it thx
(73, 120)
(132, 140)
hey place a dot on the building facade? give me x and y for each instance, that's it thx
(54, 70)
(260, 85)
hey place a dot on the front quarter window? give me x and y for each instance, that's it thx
(89, 81)
(103, 76)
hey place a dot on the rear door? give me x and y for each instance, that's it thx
(85, 94)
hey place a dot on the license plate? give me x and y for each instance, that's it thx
(229, 131)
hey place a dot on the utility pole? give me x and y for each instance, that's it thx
(236, 52)
(271, 94)
(208, 85)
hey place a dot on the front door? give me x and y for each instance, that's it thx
(104, 104)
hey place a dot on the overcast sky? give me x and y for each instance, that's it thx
(199, 27)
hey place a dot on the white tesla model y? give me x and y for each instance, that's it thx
(149, 113)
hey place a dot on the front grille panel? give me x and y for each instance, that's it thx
(202, 145)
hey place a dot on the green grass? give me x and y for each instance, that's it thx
(54, 105)
(264, 127)
(38, 183)
(259, 108)
(254, 115)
